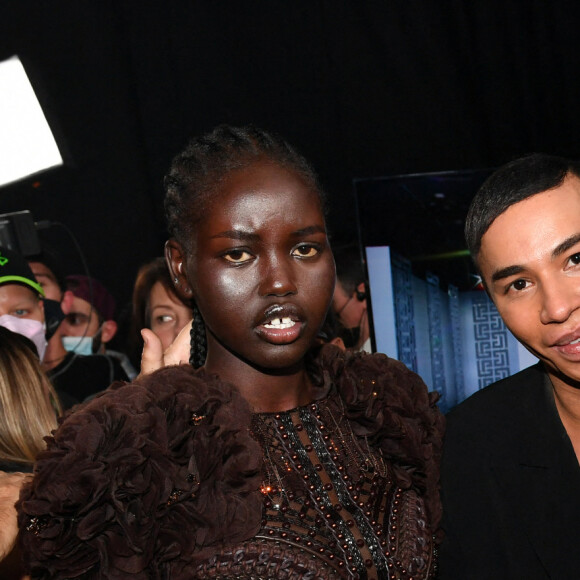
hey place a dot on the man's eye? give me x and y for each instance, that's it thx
(21, 312)
(305, 251)
(519, 285)
(237, 256)
(575, 259)
(76, 319)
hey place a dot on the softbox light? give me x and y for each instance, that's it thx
(27, 145)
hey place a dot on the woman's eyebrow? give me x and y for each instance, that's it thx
(237, 235)
(317, 229)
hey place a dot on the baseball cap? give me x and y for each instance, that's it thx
(14, 269)
(100, 298)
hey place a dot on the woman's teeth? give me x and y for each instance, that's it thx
(280, 323)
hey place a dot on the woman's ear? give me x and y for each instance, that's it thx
(175, 258)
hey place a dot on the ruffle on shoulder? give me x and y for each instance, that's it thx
(148, 475)
(390, 405)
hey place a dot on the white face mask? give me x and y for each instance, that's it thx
(78, 344)
(31, 329)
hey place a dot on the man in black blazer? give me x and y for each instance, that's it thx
(510, 471)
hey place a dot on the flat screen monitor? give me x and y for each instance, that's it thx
(427, 306)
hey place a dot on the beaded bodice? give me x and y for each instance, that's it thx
(331, 507)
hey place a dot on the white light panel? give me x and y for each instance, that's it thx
(27, 145)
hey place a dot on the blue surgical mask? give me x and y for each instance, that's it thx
(78, 344)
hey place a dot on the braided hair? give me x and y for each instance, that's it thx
(195, 176)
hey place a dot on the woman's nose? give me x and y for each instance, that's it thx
(277, 278)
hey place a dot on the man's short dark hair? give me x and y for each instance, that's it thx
(349, 267)
(511, 184)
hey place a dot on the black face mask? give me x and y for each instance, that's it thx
(97, 342)
(53, 316)
(350, 336)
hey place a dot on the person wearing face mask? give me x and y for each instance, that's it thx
(349, 302)
(24, 309)
(89, 325)
(21, 300)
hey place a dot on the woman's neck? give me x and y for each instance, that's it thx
(266, 391)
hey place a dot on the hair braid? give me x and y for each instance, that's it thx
(198, 340)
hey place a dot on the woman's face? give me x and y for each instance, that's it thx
(168, 315)
(260, 268)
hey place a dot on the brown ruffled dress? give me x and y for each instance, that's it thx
(173, 477)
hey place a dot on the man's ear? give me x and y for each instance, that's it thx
(361, 292)
(108, 330)
(175, 258)
(67, 301)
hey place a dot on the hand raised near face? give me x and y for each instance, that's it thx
(154, 358)
(10, 484)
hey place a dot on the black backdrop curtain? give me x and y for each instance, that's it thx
(362, 88)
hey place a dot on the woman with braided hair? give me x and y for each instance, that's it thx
(268, 456)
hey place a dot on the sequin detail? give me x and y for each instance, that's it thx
(331, 507)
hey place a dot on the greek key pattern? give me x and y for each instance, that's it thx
(404, 312)
(455, 317)
(491, 342)
(435, 333)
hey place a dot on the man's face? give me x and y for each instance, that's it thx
(20, 301)
(81, 320)
(349, 310)
(45, 277)
(530, 262)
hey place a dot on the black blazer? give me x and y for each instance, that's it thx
(510, 486)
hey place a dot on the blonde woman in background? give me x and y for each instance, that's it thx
(28, 412)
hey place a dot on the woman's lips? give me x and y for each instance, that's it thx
(280, 330)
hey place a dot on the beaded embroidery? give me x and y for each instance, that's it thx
(333, 500)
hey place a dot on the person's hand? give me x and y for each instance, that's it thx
(154, 358)
(10, 484)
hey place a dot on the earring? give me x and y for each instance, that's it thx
(175, 280)
(180, 267)
(187, 290)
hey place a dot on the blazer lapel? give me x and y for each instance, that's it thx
(541, 476)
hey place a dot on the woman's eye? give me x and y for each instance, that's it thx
(20, 312)
(164, 319)
(237, 256)
(305, 251)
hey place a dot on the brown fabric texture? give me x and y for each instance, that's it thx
(157, 478)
